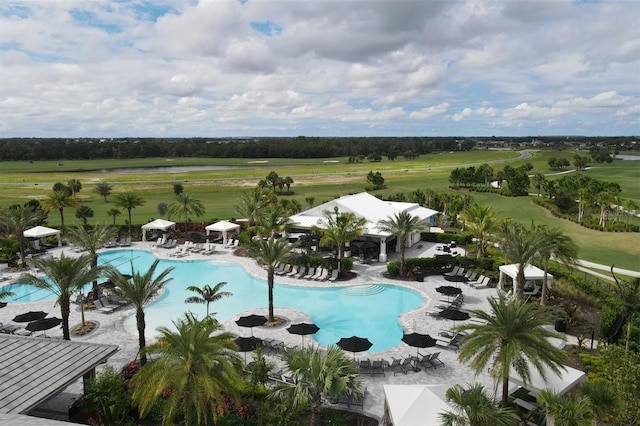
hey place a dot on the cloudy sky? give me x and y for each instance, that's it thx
(319, 67)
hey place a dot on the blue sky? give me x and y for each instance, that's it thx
(181, 68)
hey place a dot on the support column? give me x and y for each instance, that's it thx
(383, 250)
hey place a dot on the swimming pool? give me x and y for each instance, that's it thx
(370, 311)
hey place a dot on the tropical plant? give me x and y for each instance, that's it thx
(75, 186)
(269, 253)
(103, 189)
(272, 221)
(63, 276)
(83, 213)
(402, 225)
(106, 396)
(114, 213)
(629, 295)
(558, 245)
(5, 294)
(564, 410)
(319, 375)
(538, 181)
(128, 200)
(17, 219)
(252, 204)
(520, 245)
(139, 290)
(338, 228)
(178, 188)
(184, 207)
(512, 337)
(473, 407)
(196, 366)
(59, 200)
(310, 201)
(481, 221)
(207, 294)
(602, 397)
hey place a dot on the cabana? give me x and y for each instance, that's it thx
(558, 383)
(41, 232)
(531, 273)
(224, 227)
(414, 405)
(158, 225)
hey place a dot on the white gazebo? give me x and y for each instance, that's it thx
(41, 232)
(224, 227)
(531, 273)
(561, 383)
(158, 225)
(414, 405)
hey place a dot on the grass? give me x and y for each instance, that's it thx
(220, 190)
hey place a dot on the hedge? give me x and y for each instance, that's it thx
(446, 238)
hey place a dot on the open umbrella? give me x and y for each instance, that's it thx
(449, 290)
(30, 316)
(43, 324)
(303, 329)
(3, 304)
(247, 344)
(354, 344)
(454, 314)
(418, 340)
(251, 321)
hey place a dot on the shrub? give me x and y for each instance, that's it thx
(346, 264)
(447, 237)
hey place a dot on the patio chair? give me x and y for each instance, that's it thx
(100, 307)
(406, 364)
(105, 302)
(453, 272)
(435, 360)
(471, 276)
(323, 276)
(377, 367)
(279, 269)
(311, 272)
(423, 360)
(302, 273)
(295, 271)
(229, 243)
(396, 367)
(476, 281)
(483, 284)
(451, 342)
(209, 249)
(317, 274)
(364, 366)
(334, 275)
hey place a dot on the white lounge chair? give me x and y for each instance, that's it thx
(311, 273)
(334, 275)
(323, 276)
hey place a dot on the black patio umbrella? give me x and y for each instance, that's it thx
(454, 314)
(30, 316)
(418, 340)
(354, 344)
(43, 324)
(303, 329)
(455, 278)
(247, 344)
(3, 304)
(251, 321)
(449, 290)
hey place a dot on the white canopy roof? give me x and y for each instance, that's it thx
(160, 224)
(530, 272)
(414, 405)
(559, 383)
(40, 231)
(222, 226)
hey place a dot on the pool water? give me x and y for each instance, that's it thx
(370, 311)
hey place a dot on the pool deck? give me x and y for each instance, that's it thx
(111, 330)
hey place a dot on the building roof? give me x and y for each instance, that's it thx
(35, 369)
(363, 205)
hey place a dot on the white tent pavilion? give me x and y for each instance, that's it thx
(41, 232)
(558, 383)
(158, 224)
(223, 226)
(414, 405)
(531, 273)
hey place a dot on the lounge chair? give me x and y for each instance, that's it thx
(406, 364)
(471, 276)
(282, 269)
(294, 271)
(453, 272)
(171, 243)
(396, 367)
(104, 307)
(334, 275)
(476, 281)
(311, 272)
(483, 284)
(229, 243)
(423, 360)
(209, 249)
(377, 367)
(324, 273)
(364, 366)
(435, 360)
(452, 342)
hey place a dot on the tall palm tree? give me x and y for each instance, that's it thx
(558, 245)
(319, 374)
(103, 189)
(59, 200)
(481, 221)
(75, 186)
(139, 290)
(207, 294)
(84, 212)
(629, 294)
(17, 219)
(63, 276)
(512, 335)
(114, 213)
(473, 407)
(270, 253)
(252, 204)
(196, 366)
(337, 228)
(565, 410)
(92, 241)
(272, 221)
(402, 225)
(128, 200)
(184, 207)
(520, 245)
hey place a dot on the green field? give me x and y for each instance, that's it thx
(322, 179)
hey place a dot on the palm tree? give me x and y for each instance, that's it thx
(520, 245)
(83, 213)
(538, 181)
(337, 228)
(59, 200)
(139, 290)
(402, 225)
(556, 244)
(602, 397)
(207, 294)
(252, 204)
(565, 410)
(317, 375)
(475, 408)
(128, 200)
(481, 221)
(75, 186)
(63, 276)
(92, 241)
(103, 189)
(270, 253)
(196, 366)
(629, 294)
(4, 294)
(273, 221)
(17, 219)
(114, 213)
(184, 207)
(512, 335)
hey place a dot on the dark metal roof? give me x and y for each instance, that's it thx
(35, 369)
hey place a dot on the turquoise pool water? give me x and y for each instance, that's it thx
(370, 311)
